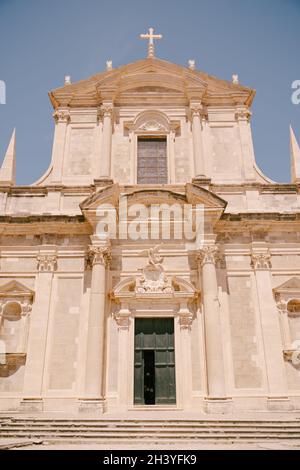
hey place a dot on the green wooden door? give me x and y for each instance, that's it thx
(154, 361)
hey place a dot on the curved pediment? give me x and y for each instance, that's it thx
(110, 198)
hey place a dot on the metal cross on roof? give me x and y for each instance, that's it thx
(151, 36)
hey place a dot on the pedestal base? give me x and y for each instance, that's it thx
(218, 405)
(32, 405)
(201, 180)
(103, 182)
(91, 405)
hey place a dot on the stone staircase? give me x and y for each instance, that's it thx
(148, 431)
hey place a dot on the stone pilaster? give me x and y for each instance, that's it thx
(93, 399)
(107, 113)
(216, 399)
(35, 362)
(62, 119)
(277, 386)
(196, 113)
(283, 315)
(243, 115)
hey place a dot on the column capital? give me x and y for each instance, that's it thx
(122, 319)
(208, 254)
(196, 109)
(281, 305)
(261, 261)
(47, 262)
(106, 110)
(242, 113)
(62, 115)
(98, 255)
(186, 320)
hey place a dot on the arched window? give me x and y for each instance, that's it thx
(153, 135)
(15, 307)
(293, 306)
(11, 326)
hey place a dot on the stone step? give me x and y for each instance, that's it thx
(145, 432)
(86, 428)
(149, 422)
(147, 436)
(100, 426)
(129, 431)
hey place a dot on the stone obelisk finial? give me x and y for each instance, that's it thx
(8, 168)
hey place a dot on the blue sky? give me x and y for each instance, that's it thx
(41, 41)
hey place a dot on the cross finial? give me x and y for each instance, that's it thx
(151, 36)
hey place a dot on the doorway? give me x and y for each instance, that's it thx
(154, 361)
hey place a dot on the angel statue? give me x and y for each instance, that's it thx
(154, 258)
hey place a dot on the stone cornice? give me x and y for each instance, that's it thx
(213, 187)
(264, 216)
(37, 225)
(258, 222)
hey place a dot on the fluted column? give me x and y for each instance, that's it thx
(99, 256)
(213, 335)
(196, 110)
(107, 116)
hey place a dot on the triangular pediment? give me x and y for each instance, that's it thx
(15, 289)
(292, 285)
(150, 76)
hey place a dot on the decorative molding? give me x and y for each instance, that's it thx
(185, 320)
(261, 261)
(15, 292)
(107, 110)
(243, 114)
(198, 110)
(153, 126)
(152, 122)
(25, 305)
(98, 255)
(287, 292)
(10, 363)
(153, 278)
(62, 116)
(122, 319)
(281, 305)
(175, 289)
(47, 263)
(293, 356)
(209, 254)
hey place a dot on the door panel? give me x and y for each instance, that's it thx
(152, 166)
(154, 354)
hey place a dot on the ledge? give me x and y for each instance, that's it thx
(11, 362)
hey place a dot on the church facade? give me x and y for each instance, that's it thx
(103, 307)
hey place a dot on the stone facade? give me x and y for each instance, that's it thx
(69, 297)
